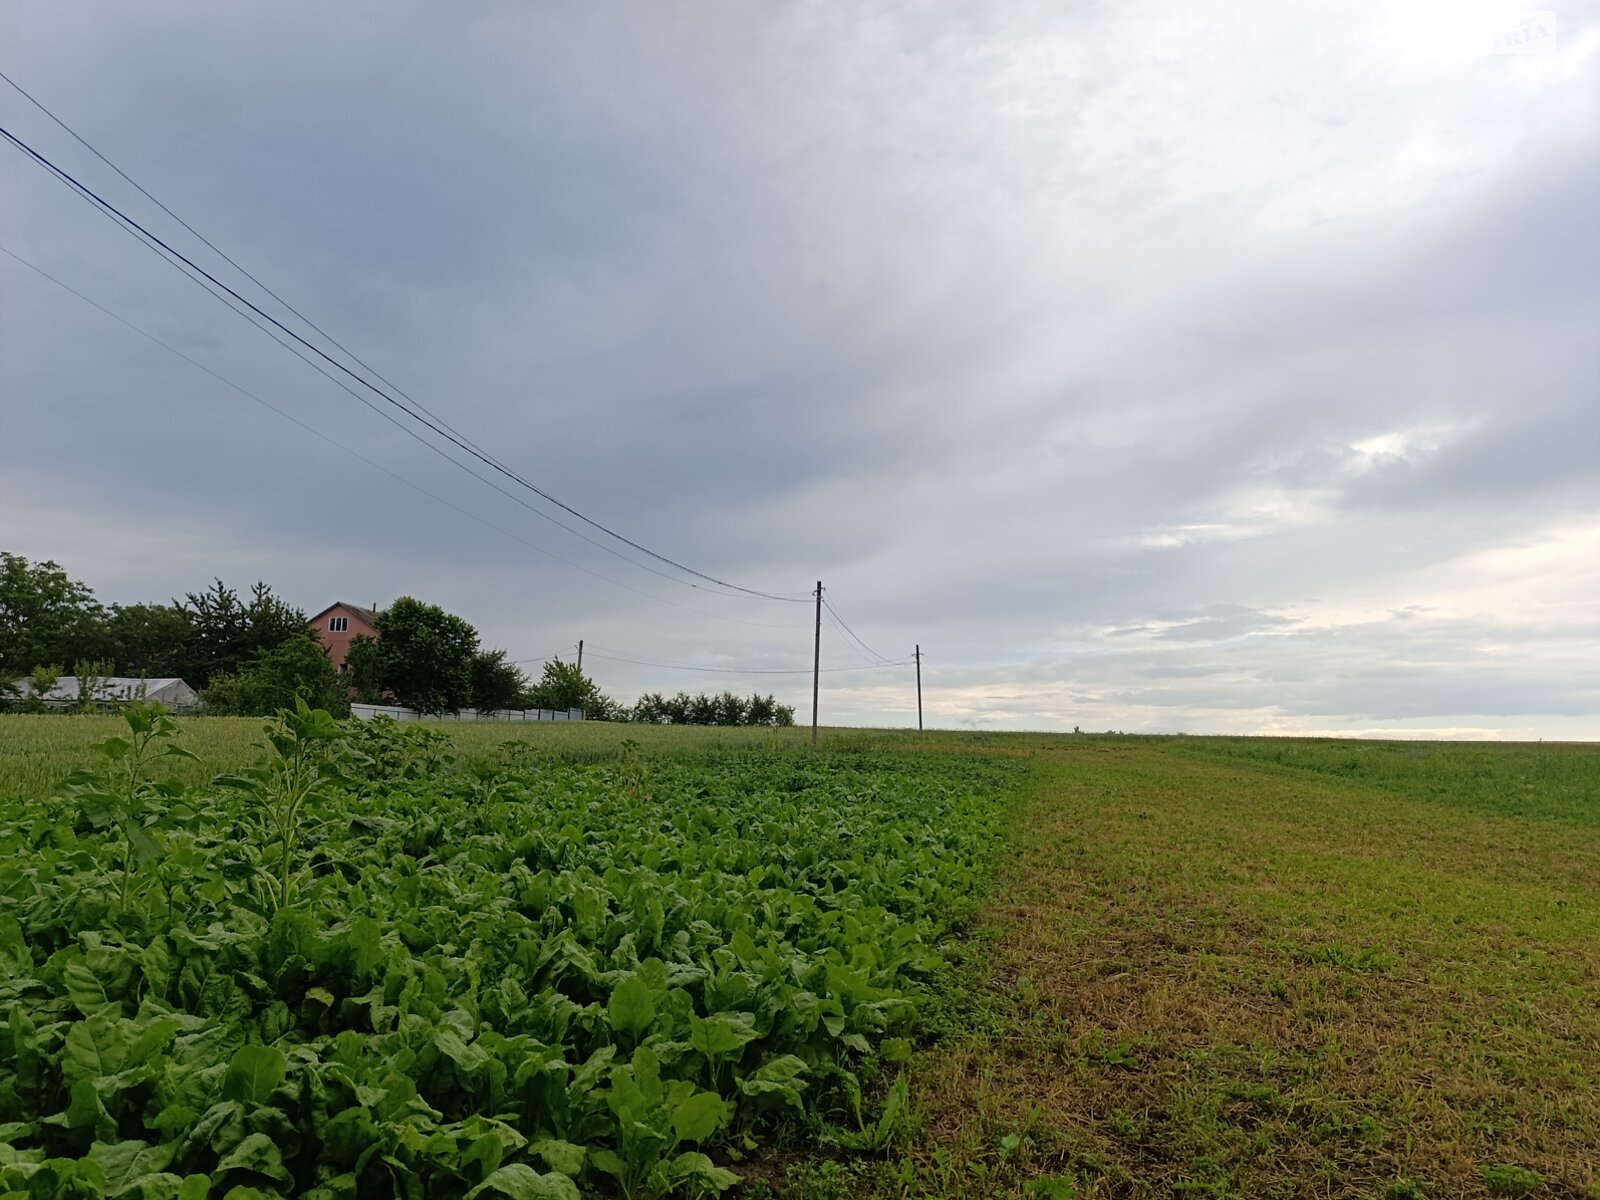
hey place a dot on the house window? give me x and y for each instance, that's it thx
(338, 624)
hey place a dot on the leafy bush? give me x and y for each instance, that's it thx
(27, 695)
(296, 672)
(704, 709)
(123, 793)
(392, 751)
(496, 683)
(92, 676)
(563, 686)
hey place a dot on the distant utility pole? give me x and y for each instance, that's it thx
(816, 665)
(580, 656)
(919, 688)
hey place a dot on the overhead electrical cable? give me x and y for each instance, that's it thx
(834, 624)
(594, 651)
(216, 249)
(544, 658)
(376, 465)
(412, 408)
(176, 257)
(827, 604)
(863, 651)
(590, 651)
(228, 296)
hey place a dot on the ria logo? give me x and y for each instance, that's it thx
(1525, 33)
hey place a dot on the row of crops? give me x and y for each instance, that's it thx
(361, 969)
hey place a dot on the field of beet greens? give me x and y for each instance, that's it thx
(362, 968)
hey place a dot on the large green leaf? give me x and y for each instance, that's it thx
(160, 1185)
(85, 1110)
(721, 1033)
(696, 1166)
(608, 1161)
(126, 1162)
(698, 1117)
(521, 1182)
(86, 989)
(561, 1156)
(253, 1073)
(469, 1057)
(15, 954)
(587, 1075)
(777, 1083)
(94, 1048)
(632, 1006)
(257, 1153)
(152, 1038)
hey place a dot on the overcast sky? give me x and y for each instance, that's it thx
(1155, 366)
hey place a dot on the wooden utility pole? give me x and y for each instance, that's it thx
(816, 665)
(919, 688)
(580, 656)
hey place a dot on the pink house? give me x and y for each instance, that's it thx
(338, 623)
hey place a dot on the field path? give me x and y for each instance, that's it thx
(1218, 977)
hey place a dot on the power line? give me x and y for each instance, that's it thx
(863, 651)
(845, 625)
(371, 463)
(216, 249)
(544, 658)
(826, 603)
(833, 622)
(617, 656)
(432, 421)
(416, 413)
(838, 626)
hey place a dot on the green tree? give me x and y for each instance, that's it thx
(727, 709)
(228, 631)
(651, 709)
(604, 708)
(732, 710)
(296, 670)
(45, 616)
(425, 656)
(92, 676)
(562, 686)
(27, 695)
(363, 669)
(496, 683)
(149, 639)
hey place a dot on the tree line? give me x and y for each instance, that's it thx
(703, 709)
(252, 654)
(245, 655)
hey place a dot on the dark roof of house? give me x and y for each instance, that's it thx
(369, 615)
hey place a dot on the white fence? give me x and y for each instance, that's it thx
(366, 712)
